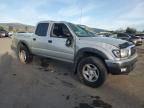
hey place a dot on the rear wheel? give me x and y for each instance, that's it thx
(24, 54)
(92, 71)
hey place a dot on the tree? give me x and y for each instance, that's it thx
(17, 30)
(26, 28)
(11, 28)
(131, 30)
(119, 30)
(1, 28)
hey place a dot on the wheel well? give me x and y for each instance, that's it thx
(24, 44)
(87, 54)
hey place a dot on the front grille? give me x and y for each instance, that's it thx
(133, 50)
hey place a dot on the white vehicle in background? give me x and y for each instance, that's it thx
(11, 34)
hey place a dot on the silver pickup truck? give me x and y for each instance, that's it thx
(92, 57)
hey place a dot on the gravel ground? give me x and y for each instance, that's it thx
(47, 83)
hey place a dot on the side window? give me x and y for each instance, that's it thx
(60, 31)
(121, 35)
(42, 29)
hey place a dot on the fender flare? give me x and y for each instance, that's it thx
(81, 53)
(25, 44)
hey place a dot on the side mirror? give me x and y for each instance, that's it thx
(69, 41)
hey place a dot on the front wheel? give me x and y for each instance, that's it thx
(92, 71)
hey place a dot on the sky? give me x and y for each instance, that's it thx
(105, 14)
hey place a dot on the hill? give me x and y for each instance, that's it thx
(94, 30)
(23, 27)
(17, 27)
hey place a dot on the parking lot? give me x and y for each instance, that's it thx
(47, 83)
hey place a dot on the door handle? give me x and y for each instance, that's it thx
(34, 39)
(49, 41)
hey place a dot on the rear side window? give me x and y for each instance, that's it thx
(42, 29)
(121, 35)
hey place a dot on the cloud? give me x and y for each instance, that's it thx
(75, 10)
(136, 12)
(28, 14)
(94, 13)
(133, 17)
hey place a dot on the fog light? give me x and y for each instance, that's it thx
(123, 69)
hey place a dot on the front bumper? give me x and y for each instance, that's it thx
(139, 43)
(121, 67)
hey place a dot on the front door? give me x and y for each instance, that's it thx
(58, 37)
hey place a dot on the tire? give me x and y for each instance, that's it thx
(93, 67)
(24, 54)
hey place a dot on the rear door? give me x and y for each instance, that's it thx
(40, 39)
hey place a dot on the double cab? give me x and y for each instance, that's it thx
(92, 57)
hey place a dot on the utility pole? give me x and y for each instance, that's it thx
(81, 16)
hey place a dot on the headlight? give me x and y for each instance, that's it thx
(124, 53)
(117, 53)
(121, 53)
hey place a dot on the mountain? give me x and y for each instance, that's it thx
(29, 28)
(94, 30)
(17, 27)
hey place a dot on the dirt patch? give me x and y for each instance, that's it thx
(84, 105)
(95, 103)
(65, 74)
(44, 63)
(46, 66)
(67, 84)
(95, 97)
(67, 97)
(101, 104)
(13, 74)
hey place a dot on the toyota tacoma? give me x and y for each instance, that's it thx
(92, 57)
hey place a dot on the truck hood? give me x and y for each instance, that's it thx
(107, 40)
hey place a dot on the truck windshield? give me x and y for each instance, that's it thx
(81, 32)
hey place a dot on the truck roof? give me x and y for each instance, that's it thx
(50, 21)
